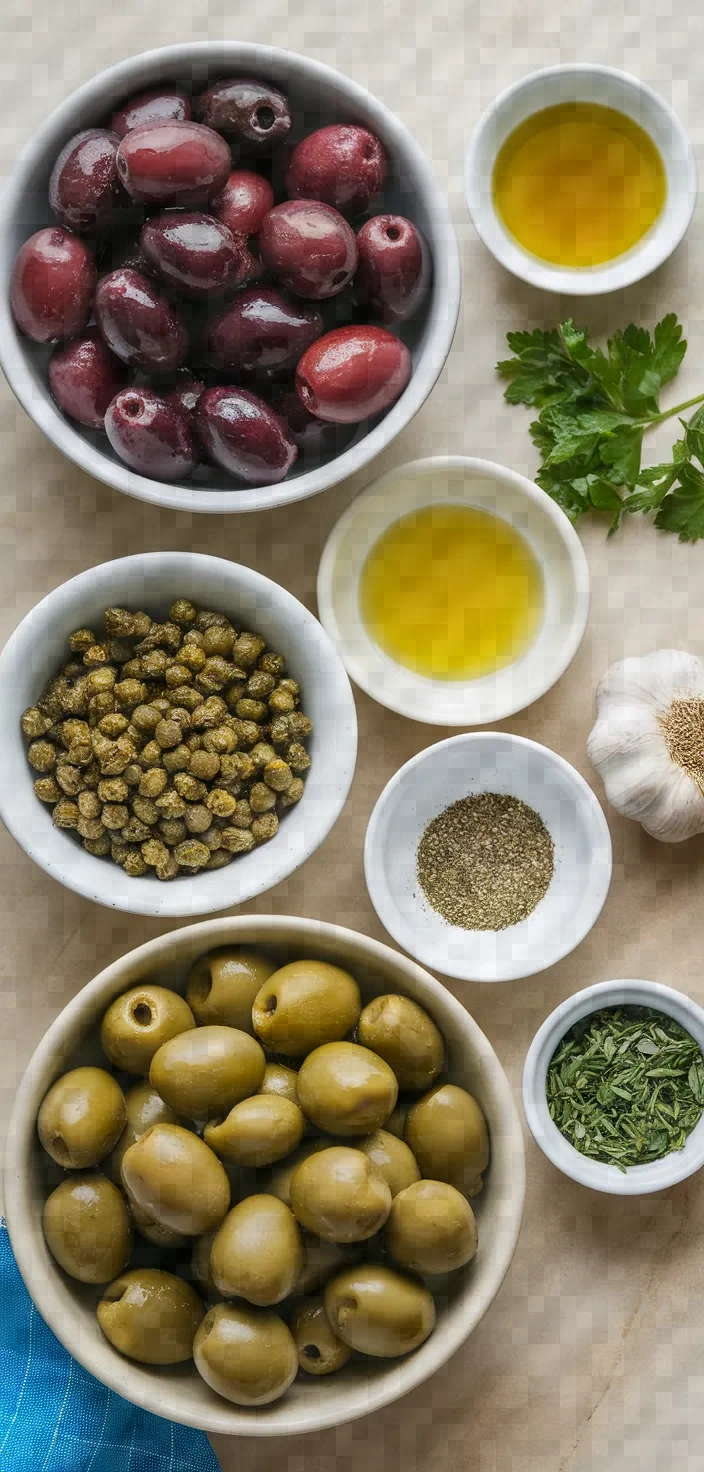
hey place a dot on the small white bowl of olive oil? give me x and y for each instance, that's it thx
(580, 179)
(455, 591)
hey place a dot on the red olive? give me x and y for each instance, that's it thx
(84, 377)
(84, 188)
(252, 112)
(241, 433)
(140, 326)
(353, 373)
(173, 163)
(161, 105)
(343, 165)
(394, 267)
(193, 251)
(243, 202)
(52, 284)
(150, 435)
(309, 247)
(261, 333)
(317, 439)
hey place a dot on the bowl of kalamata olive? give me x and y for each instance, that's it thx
(229, 277)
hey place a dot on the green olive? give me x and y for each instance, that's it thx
(431, 1228)
(138, 1022)
(151, 1316)
(200, 1262)
(447, 1133)
(87, 1228)
(258, 1131)
(346, 1090)
(82, 1117)
(204, 1072)
(279, 1182)
(154, 1231)
(303, 1005)
(405, 1036)
(393, 1158)
(246, 1355)
(175, 1178)
(339, 1194)
(396, 1122)
(322, 1259)
(320, 1352)
(258, 1252)
(378, 1311)
(223, 984)
(144, 1108)
(278, 1079)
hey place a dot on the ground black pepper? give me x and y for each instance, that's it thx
(486, 861)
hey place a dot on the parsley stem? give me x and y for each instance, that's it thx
(669, 413)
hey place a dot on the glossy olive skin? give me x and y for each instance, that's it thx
(280, 1081)
(279, 1182)
(431, 1228)
(258, 1252)
(82, 1117)
(160, 105)
(245, 436)
(304, 1004)
(352, 373)
(316, 439)
(378, 1311)
(338, 1194)
(393, 275)
(87, 1228)
(191, 250)
(258, 1131)
(176, 1180)
(151, 435)
(179, 163)
(138, 324)
(184, 398)
(52, 285)
(205, 1072)
(84, 377)
(151, 1316)
(246, 1355)
(223, 983)
(447, 1133)
(138, 1022)
(154, 1231)
(342, 164)
(345, 1089)
(243, 202)
(309, 247)
(319, 1351)
(84, 189)
(403, 1034)
(261, 334)
(393, 1158)
(144, 1108)
(322, 1259)
(253, 113)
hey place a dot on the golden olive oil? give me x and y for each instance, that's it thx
(579, 184)
(452, 592)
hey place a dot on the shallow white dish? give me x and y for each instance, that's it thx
(637, 1180)
(488, 761)
(152, 580)
(465, 481)
(577, 82)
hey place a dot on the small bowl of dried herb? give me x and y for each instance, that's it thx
(613, 1087)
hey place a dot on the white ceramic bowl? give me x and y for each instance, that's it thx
(463, 481)
(488, 761)
(364, 1385)
(578, 82)
(637, 1180)
(152, 581)
(319, 95)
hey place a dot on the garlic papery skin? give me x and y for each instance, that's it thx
(648, 742)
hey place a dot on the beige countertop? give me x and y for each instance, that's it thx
(592, 1357)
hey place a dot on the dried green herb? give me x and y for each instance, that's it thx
(626, 1086)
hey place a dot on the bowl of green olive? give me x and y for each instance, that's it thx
(264, 1175)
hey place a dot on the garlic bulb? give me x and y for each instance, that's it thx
(648, 742)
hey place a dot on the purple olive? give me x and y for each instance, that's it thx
(84, 377)
(245, 436)
(261, 334)
(84, 188)
(186, 393)
(343, 165)
(352, 373)
(173, 163)
(150, 435)
(52, 285)
(243, 202)
(162, 105)
(309, 247)
(317, 439)
(193, 251)
(252, 112)
(140, 326)
(394, 268)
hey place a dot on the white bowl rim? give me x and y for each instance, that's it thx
(639, 1180)
(442, 323)
(611, 275)
(474, 465)
(384, 904)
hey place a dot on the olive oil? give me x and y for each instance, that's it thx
(578, 184)
(452, 592)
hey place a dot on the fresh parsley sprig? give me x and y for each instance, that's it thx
(594, 408)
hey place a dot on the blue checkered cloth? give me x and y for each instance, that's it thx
(55, 1417)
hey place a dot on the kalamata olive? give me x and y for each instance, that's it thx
(84, 188)
(241, 433)
(261, 333)
(317, 439)
(243, 202)
(150, 435)
(161, 105)
(139, 324)
(121, 249)
(394, 267)
(343, 165)
(173, 163)
(352, 373)
(309, 247)
(84, 377)
(193, 251)
(252, 112)
(185, 394)
(52, 284)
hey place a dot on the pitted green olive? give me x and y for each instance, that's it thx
(258, 1131)
(378, 1311)
(431, 1228)
(82, 1117)
(393, 1158)
(246, 1355)
(403, 1034)
(144, 1108)
(339, 1195)
(303, 1005)
(279, 1182)
(258, 1252)
(137, 1023)
(346, 1090)
(278, 1079)
(87, 1228)
(320, 1352)
(322, 1259)
(151, 1316)
(204, 1072)
(222, 985)
(176, 1180)
(447, 1133)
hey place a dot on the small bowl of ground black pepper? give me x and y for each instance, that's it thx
(488, 857)
(613, 1087)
